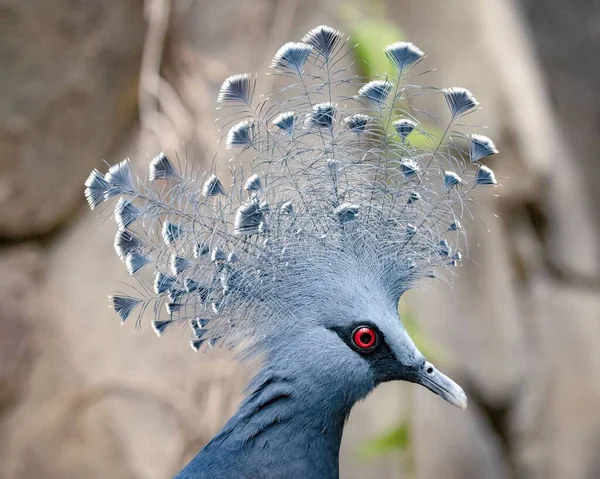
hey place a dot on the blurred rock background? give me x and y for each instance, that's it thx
(85, 81)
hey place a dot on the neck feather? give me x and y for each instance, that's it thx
(288, 426)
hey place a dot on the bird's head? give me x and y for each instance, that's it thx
(330, 216)
(386, 352)
(348, 333)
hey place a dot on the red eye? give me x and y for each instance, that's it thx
(364, 337)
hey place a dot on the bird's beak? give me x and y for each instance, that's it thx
(411, 366)
(442, 385)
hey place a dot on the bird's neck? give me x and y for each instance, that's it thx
(286, 427)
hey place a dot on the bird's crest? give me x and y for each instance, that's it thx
(333, 185)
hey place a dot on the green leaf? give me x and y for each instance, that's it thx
(426, 137)
(397, 439)
(424, 344)
(372, 36)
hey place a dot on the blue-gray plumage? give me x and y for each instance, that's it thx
(290, 424)
(334, 214)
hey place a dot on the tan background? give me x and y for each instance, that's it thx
(83, 81)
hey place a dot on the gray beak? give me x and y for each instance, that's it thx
(409, 365)
(442, 385)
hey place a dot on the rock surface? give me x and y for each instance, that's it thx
(69, 96)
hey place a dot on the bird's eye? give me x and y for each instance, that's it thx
(364, 338)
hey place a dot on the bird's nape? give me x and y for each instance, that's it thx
(336, 206)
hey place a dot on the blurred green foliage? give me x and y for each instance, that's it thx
(369, 37)
(426, 345)
(398, 439)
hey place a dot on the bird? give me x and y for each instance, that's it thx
(340, 195)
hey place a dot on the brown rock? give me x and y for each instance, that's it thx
(68, 93)
(20, 267)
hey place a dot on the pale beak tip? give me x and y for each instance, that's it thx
(460, 400)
